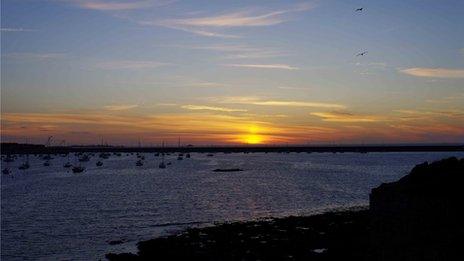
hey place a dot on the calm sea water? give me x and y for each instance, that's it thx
(49, 213)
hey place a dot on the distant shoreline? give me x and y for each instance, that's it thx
(14, 148)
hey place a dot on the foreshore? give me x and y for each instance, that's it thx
(330, 235)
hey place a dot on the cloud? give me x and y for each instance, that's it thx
(257, 101)
(409, 115)
(434, 72)
(35, 56)
(226, 48)
(131, 65)
(201, 32)
(205, 84)
(239, 51)
(237, 19)
(255, 55)
(67, 118)
(293, 88)
(339, 116)
(166, 104)
(122, 107)
(298, 104)
(264, 66)
(107, 5)
(210, 108)
(10, 29)
(448, 99)
(248, 18)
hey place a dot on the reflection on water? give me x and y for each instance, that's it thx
(51, 213)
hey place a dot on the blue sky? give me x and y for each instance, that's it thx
(233, 71)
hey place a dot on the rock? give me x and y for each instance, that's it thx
(122, 256)
(227, 170)
(419, 217)
(115, 242)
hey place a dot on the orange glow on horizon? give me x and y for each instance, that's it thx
(253, 139)
(89, 127)
(253, 136)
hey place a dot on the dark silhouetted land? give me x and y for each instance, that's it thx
(15, 148)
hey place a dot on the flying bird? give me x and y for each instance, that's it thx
(359, 9)
(361, 54)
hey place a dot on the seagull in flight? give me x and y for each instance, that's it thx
(359, 9)
(361, 54)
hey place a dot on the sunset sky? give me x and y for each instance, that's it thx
(232, 72)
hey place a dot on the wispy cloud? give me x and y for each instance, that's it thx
(341, 116)
(225, 48)
(130, 65)
(238, 19)
(205, 84)
(448, 99)
(239, 51)
(248, 18)
(35, 56)
(211, 108)
(196, 31)
(11, 29)
(292, 88)
(434, 72)
(264, 66)
(109, 5)
(166, 104)
(408, 115)
(257, 101)
(121, 107)
(299, 104)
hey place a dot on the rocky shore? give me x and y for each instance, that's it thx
(415, 218)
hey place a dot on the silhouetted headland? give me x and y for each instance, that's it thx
(416, 218)
(15, 148)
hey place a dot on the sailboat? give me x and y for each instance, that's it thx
(6, 170)
(84, 158)
(79, 168)
(68, 164)
(162, 165)
(9, 158)
(26, 164)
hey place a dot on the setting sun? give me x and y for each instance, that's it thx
(253, 139)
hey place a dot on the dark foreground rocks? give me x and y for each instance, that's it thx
(420, 217)
(416, 218)
(227, 170)
(332, 235)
